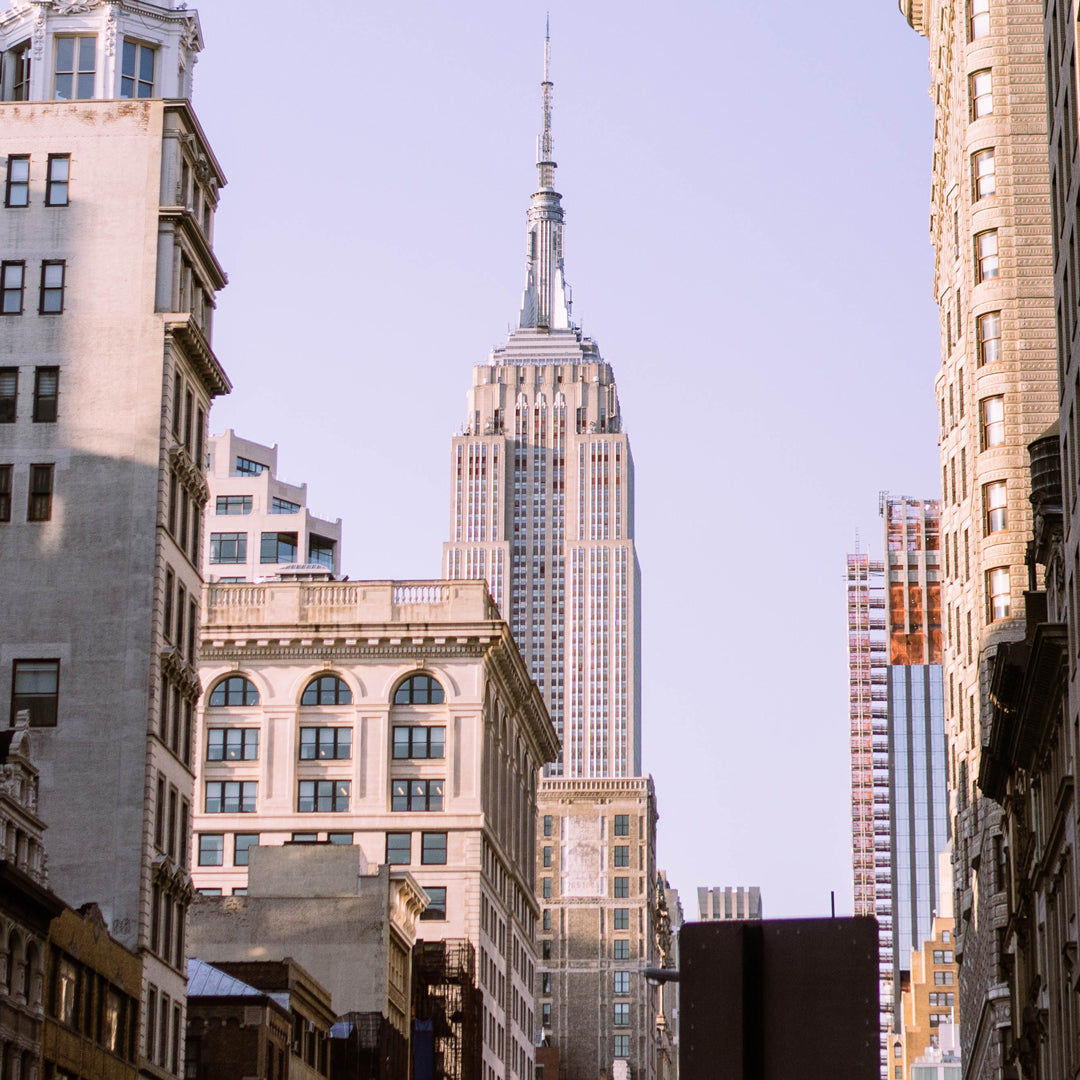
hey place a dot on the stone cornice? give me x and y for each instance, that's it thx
(189, 474)
(183, 330)
(181, 673)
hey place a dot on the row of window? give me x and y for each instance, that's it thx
(46, 394)
(17, 181)
(38, 496)
(50, 287)
(323, 796)
(75, 59)
(242, 504)
(236, 691)
(620, 825)
(274, 547)
(620, 855)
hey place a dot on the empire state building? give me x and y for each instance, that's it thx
(543, 506)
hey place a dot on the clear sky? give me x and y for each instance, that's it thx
(746, 193)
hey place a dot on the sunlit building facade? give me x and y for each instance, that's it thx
(991, 225)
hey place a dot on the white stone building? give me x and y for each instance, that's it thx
(257, 525)
(398, 717)
(107, 285)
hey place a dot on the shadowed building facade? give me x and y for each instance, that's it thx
(108, 281)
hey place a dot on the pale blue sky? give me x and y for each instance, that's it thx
(746, 196)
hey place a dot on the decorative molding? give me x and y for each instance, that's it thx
(189, 474)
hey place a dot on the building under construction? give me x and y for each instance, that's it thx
(448, 1012)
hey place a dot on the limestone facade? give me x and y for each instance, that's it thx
(996, 391)
(258, 525)
(397, 717)
(107, 374)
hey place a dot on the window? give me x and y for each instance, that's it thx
(325, 743)
(278, 547)
(283, 506)
(547, 824)
(304, 838)
(51, 294)
(545, 1013)
(982, 94)
(419, 742)
(326, 690)
(979, 21)
(982, 174)
(622, 982)
(547, 856)
(545, 923)
(12, 278)
(417, 795)
(323, 796)
(9, 394)
(436, 909)
(622, 887)
(75, 67)
(46, 389)
(545, 982)
(5, 492)
(234, 690)
(321, 551)
(233, 504)
(17, 190)
(419, 690)
(622, 855)
(57, 179)
(994, 506)
(39, 507)
(989, 331)
(211, 849)
(246, 467)
(398, 848)
(621, 949)
(986, 256)
(345, 839)
(230, 796)
(622, 1046)
(20, 88)
(433, 848)
(943, 978)
(545, 888)
(946, 937)
(232, 744)
(243, 842)
(998, 594)
(545, 949)
(993, 422)
(35, 688)
(137, 70)
(622, 1013)
(622, 918)
(228, 547)
(622, 824)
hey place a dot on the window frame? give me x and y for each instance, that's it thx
(995, 507)
(53, 184)
(9, 400)
(982, 101)
(220, 852)
(991, 429)
(404, 803)
(7, 267)
(6, 473)
(415, 734)
(242, 851)
(246, 688)
(336, 732)
(13, 184)
(323, 553)
(342, 692)
(248, 739)
(398, 844)
(44, 707)
(983, 179)
(39, 496)
(432, 846)
(988, 335)
(77, 73)
(237, 542)
(247, 794)
(338, 792)
(987, 263)
(978, 19)
(50, 294)
(46, 406)
(620, 918)
(279, 541)
(436, 905)
(135, 78)
(224, 505)
(998, 609)
(413, 690)
(620, 855)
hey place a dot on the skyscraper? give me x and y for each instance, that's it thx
(107, 286)
(991, 224)
(542, 506)
(898, 790)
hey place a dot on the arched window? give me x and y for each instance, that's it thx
(326, 690)
(234, 690)
(419, 690)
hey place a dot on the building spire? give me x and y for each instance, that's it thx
(545, 303)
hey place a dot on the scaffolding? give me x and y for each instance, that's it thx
(448, 1012)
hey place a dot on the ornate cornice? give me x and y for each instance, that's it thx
(181, 674)
(189, 474)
